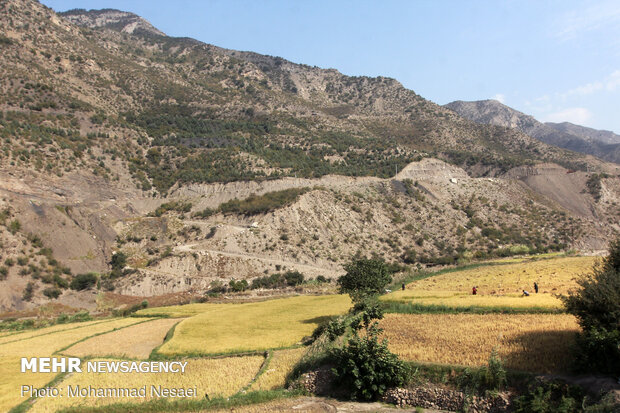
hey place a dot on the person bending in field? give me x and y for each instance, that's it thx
(526, 294)
(403, 286)
(474, 290)
(536, 287)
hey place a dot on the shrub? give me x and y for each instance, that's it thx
(293, 278)
(238, 286)
(260, 204)
(336, 328)
(9, 262)
(596, 304)
(177, 206)
(83, 281)
(28, 291)
(118, 261)
(269, 281)
(14, 226)
(494, 374)
(51, 292)
(322, 279)
(543, 397)
(4, 272)
(366, 368)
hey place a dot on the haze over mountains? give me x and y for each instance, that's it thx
(202, 164)
(603, 144)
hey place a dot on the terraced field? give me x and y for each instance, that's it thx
(499, 285)
(233, 328)
(136, 341)
(536, 342)
(43, 343)
(529, 342)
(214, 377)
(280, 365)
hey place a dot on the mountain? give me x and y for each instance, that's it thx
(169, 167)
(583, 132)
(121, 21)
(602, 144)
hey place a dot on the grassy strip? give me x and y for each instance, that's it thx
(156, 315)
(462, 377)
(263, 368)
(399, 307)
(27, 404)
(154, 354)
(59, 331)
(163, 405)
(232, 353)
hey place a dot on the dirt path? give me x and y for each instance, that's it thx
(283, 263)
(320, 405)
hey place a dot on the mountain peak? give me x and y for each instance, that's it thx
(113, 19)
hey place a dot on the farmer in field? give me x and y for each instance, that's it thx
(526, 294)
(535, 287)
(474, 290)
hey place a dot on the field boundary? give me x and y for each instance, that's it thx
(232, 353)
(59, 331)
(163, 405)
(402, 307)
(154, 353)
(28, 403)
(263, 368)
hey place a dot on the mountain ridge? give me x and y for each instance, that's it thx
(603, 144)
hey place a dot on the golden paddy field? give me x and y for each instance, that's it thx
(43, 344)
(215, 377)
(136, 341)
(280, 365)
(499, 285)
(230, 328)
(529, 342)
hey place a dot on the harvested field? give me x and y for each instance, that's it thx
(499, 285)
(178, 311)
(43, 346)
(231, 328)
(215, 377)
(136, 341)
(21, 335)
(529, 342)
(279, 367)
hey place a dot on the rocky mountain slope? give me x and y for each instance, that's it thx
(167, 165)
(603, 144)
(588, 134)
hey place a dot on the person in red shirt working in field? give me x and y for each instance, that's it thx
(474, 290)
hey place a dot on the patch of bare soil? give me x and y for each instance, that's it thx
(320, 405)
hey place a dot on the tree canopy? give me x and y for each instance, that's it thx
(364, 278)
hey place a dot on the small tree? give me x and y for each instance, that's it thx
(83, 281)
(364, 278)
(596, 304)
(118, 262)
(293, 278)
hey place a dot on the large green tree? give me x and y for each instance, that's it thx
(364, 278)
